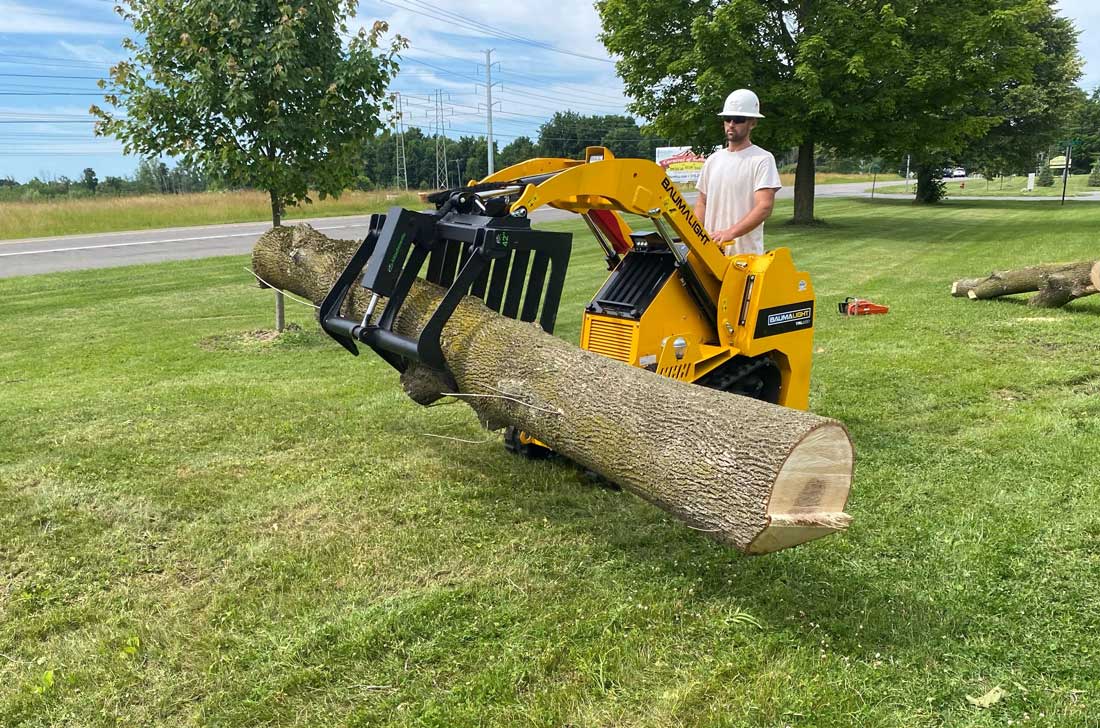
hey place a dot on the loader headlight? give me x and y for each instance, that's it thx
(679, 346)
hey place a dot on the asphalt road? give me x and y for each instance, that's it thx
(31, 256)
(106, 250)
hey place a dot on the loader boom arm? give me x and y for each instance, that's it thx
(635, 186)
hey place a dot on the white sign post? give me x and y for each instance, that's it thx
(1031, 181)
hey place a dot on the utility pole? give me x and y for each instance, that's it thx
(442, 178)
(1065, 170)
(400, 162)
(489, 103)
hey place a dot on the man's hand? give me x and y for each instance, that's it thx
(724, 236)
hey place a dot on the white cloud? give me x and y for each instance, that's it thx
(93, 53)
(21, 20)
(568, 25)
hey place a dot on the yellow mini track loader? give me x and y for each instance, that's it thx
(674, 303)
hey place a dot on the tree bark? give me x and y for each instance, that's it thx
(929, 185)
(962, 287)
(276, 209)
(1057, 284)
(804, 184)
(750, 474)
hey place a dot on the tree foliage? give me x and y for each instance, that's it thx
(1037, 112)
(1084, 127)
(89, 179)
(862, 76)
(518, 150)
(1046, 177)
(568, 133)
(261, 93)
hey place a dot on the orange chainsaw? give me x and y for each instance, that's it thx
(852, 306)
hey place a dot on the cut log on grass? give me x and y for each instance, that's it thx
(962, 287)
(1057, 284)
(750, 474)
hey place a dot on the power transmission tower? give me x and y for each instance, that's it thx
(489, 102)
(400, 162)
(442, 178)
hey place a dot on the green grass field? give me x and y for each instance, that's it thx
(201, 525)
(1005, 187)
(114, 214)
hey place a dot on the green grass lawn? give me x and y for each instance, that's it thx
(105, 214)
(1004, 187)
(202, 526)
(44, 218)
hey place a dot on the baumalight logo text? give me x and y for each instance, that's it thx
(786, 317)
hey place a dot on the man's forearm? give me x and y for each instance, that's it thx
(756, 217)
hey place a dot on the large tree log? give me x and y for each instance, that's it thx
(1057, 284)
(750, 474)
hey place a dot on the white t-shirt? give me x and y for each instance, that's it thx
(730, 181)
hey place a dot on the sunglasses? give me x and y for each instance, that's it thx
(735, 119)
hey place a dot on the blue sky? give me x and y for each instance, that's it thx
(52, 52)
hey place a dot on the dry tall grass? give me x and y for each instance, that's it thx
(110, 214)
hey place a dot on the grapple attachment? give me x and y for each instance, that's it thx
(517, 271)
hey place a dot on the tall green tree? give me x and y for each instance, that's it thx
(519, 149)
(862, 76)
(260, 93)
(1034, 109)
(567, 133)
(89, 180)
(1085, 127)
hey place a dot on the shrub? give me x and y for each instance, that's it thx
(930, 187)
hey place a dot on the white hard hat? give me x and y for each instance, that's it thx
(742, 102)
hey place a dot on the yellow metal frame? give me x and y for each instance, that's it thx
(740, 287)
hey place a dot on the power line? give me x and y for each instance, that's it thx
(433, 11)
(537, 78)
(576, 100)
(46, 75)
(45, 121)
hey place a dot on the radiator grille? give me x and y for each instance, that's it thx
(676, 371)
(613, 338)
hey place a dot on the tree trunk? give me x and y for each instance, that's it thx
(1057, 284)
(750, 474)
(930, 187)
(276, 209)
(804, 184)
(280, 304)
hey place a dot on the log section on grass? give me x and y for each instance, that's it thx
(1057, 284)
(750, 474)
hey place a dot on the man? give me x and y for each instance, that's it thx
(738, 183)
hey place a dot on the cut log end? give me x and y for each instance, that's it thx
(962, 287)
(810, 492)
